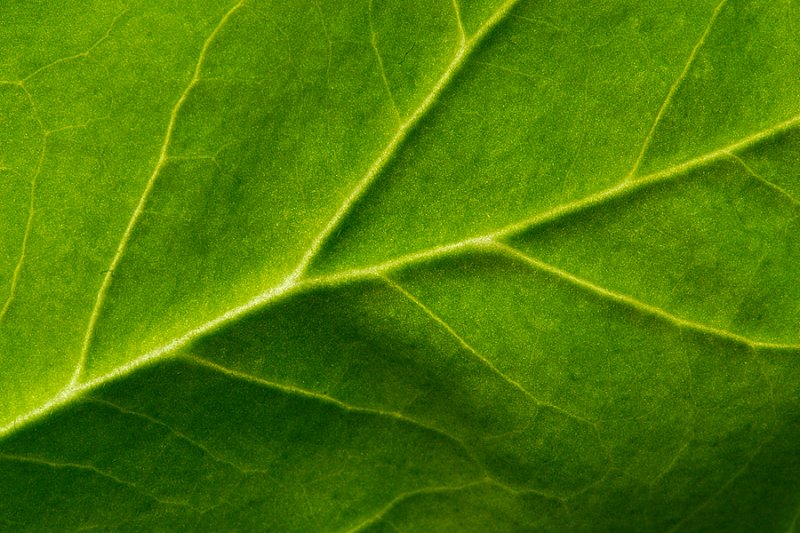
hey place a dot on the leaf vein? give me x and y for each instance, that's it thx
(462, 34)
(400, 498)
(466, 245)
(179, 434)
(12, 291)
(708, 501)
(298, 391)
(758, 177)
(374, 42)
(486, 362)
(674, 87)
(630, 302)
(562, 211)
(84, 53)
(460, 58)
(93, 470)
(162, 159)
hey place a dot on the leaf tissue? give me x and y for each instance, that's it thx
(400, 266)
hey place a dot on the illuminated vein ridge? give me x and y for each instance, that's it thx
(137, 213)
(466, 49)
(481, 242)
(675, 86)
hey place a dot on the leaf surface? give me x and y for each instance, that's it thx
(415, 266)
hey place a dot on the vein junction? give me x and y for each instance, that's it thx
(137, 213)
(486, 243)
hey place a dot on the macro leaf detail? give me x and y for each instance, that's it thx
(498, 265)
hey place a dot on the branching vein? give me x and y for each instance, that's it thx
(592, 201)
(636, 304)
(400, 136)
(469, 348)
(758, 177)
(297, 391)
(732, 479)
(93, 470)
(674, 88)
(179, 434)
(294, 283)
(400, 498)
(462, 34)
(137, 213)
(381, 514)
(85, 53)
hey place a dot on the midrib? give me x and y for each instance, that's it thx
(75, 388)
(295, 283)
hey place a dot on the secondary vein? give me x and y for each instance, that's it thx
(486, 362)
(92, 470)
(381, 68)
(460, 58)
(758, 177)
(562, 211)
(630, 302)
(293, 284)
(324, 398)
(137, 213)
(674, 88)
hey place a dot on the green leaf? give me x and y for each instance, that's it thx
(522, 265)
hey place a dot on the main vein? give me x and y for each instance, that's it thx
(294, 282)
(137, 213)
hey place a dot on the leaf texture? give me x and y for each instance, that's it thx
(518, 265)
